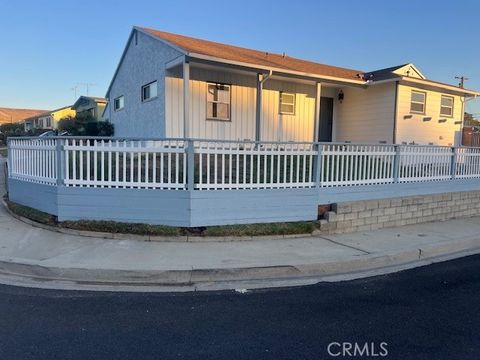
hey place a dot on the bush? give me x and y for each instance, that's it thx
(85, 126)
(7, 130)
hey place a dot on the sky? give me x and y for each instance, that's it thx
(49, 47)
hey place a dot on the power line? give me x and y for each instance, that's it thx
(462, 80)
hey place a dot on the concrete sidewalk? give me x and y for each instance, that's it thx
(36, 257)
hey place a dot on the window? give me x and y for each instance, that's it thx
(446, 106)
(149, 91)
(218, 102)
(417, 102)
(287, 103)
(49, 122)
(118, 103)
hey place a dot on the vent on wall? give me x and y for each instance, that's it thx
(427, 118)
(407, 117)
(442, 120)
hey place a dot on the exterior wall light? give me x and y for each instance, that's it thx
(341, 96)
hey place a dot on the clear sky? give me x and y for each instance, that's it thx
(49, 46)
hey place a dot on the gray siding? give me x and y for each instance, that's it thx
(38, 196)
(124, 205)
(143, 63)
(204, 208)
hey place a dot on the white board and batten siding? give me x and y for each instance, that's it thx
(366, 115)
(431, 127)
(275, 127)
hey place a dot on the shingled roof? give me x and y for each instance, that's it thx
(253, 57)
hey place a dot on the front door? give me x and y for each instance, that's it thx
(326, 119)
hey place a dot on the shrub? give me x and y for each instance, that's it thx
(85, 126)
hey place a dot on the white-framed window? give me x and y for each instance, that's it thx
(49, 122)
(446, 106)
(287, 103)
(149, 91)
(218, 102)
(119, 103)
(417, 102)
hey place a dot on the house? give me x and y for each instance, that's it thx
(93, 106)
(232, 93)
(12, 115)
(48, 119)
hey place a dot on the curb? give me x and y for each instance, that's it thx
(159, 238)
(21, 272)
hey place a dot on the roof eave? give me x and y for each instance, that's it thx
(276, 70)
(452, 88)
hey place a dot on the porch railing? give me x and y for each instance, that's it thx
(181, 164)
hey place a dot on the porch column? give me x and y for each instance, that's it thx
(258, 114)
(316, 126)
(186, 99)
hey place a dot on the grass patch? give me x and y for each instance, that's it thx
(4, 152)
(284, 228)
(121, 228)
(32, 214)
(290, 228)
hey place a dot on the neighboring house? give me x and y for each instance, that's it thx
(172, 86)
(49, 120)
(12, 115)
(90, 105)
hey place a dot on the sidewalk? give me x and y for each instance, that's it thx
(36, 257)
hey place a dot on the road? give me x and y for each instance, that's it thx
(426, 313)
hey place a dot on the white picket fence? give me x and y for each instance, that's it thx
(250, 165)
(180, 164)
(152, 164)
(33, 160)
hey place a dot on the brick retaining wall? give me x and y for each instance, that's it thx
(367, 215)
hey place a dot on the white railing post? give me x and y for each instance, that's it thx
(317, 166)
(190, 164)
(396, 164)
(9, 158)
(60, 160)
(453, 164)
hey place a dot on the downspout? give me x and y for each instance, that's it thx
(395, 108)
(260, 80)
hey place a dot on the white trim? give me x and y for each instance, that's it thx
(278, 70)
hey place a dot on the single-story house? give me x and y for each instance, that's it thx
(48, 120)
(174, 86)
(90, 105)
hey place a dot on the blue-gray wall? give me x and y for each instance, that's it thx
(203, 208)
(143, 62)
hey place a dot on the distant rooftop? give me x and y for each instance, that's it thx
(13, 115)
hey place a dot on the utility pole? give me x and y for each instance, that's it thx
(87, 85)
(462, 80)
(74, 89)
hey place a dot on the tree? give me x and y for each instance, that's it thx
(469, 120)
(85, 125)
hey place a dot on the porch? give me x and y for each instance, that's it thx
(253, 106)
(195, 182)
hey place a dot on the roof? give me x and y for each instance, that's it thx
(254, 57)
(47, 112)
(383, 74)
(9, 115)
(95, 99)
(249, 58)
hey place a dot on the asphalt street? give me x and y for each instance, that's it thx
(431, 312)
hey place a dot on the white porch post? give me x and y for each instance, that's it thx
(258, 114)
(316, 126)
(186, 99)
